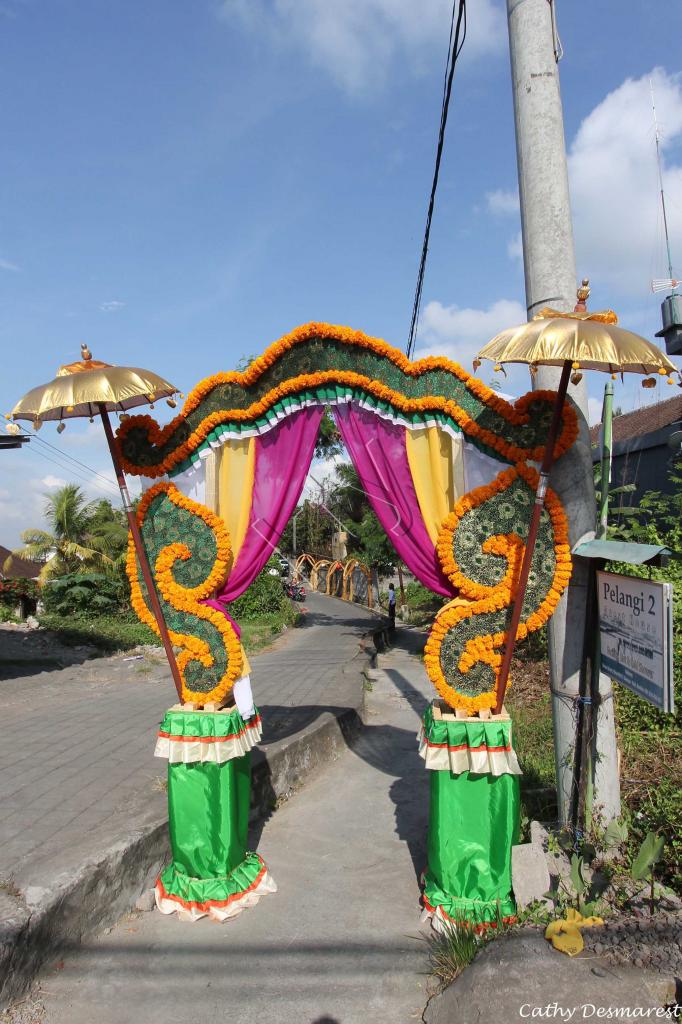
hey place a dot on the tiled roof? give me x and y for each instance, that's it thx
(18, 568)
(643, 421)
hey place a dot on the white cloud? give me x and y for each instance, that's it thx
(515, 248)
(614, 187)
(357, 41)
(594, 407)
(111, 307)
(459, 334)
(22, 504)
(503, 202)
(321, 475)
(35, 470)
(8, 265)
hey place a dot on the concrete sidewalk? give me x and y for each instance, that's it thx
(83, 801)
(340, 941)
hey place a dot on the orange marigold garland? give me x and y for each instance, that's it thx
(181, 603)
(516, 415)
(472, 626)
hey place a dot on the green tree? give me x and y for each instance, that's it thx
(329, 441)
(347, 501)
(373, 546)
(109, 533)
(81, 536)
(348, 498)
(314, 530)
(370, 544)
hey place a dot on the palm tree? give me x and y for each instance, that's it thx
(109, 532)
(83, 535)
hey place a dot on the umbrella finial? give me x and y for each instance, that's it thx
(583, 294)
(86, 354)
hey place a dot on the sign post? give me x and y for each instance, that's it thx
(636, 625)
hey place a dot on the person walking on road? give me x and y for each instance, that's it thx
(391, 605)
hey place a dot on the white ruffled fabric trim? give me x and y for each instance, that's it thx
(191, 479)
(265, 887)
(477, 760)
(186, 750)
(438, 921)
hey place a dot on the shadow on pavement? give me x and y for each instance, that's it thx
(386, 748)
(353, 623)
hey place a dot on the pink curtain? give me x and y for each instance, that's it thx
(283, 457)
(377, 449)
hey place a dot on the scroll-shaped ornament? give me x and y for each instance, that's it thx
(480, 548)
(188, 549)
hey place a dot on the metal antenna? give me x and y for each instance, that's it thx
(660, 285)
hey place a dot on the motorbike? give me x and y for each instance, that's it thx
(294, 590)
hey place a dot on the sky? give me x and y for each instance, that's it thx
(182, 183)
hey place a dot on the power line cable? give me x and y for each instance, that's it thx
(60, 451)
(69, 469)
(455, 45)
(65, 467)
(101, 484)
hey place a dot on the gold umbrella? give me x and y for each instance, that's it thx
(552, 338)
(574, 341)
(80, 389)
(84, 389)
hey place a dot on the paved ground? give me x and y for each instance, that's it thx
(338, 944)
(341, 942)
(77, 771)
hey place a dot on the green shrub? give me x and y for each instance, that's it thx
(87, 593)
(650, 739)
(265, 596)
(8, 611)
(418, 596)
(107, 633)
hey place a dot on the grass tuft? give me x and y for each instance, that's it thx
(451, 951)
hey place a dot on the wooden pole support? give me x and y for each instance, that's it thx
(540, 493)
(140, 550)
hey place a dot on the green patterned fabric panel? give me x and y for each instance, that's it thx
(505, 513)
(165, 523)
(319, 355)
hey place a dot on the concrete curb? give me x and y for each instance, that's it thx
(75, 907)
(517, 973)
(36, 926)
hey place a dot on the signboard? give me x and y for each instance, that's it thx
(636, 626)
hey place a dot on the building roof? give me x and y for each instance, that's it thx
(18, 568)
(643, 421)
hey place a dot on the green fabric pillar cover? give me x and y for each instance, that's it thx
(474, 819)
(208, 812)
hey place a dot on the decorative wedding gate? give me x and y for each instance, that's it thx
(447, 467)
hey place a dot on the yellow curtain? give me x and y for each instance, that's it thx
(235, 472)
(211, 481)
(436, 461)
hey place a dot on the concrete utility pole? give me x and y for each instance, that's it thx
(549, 265)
